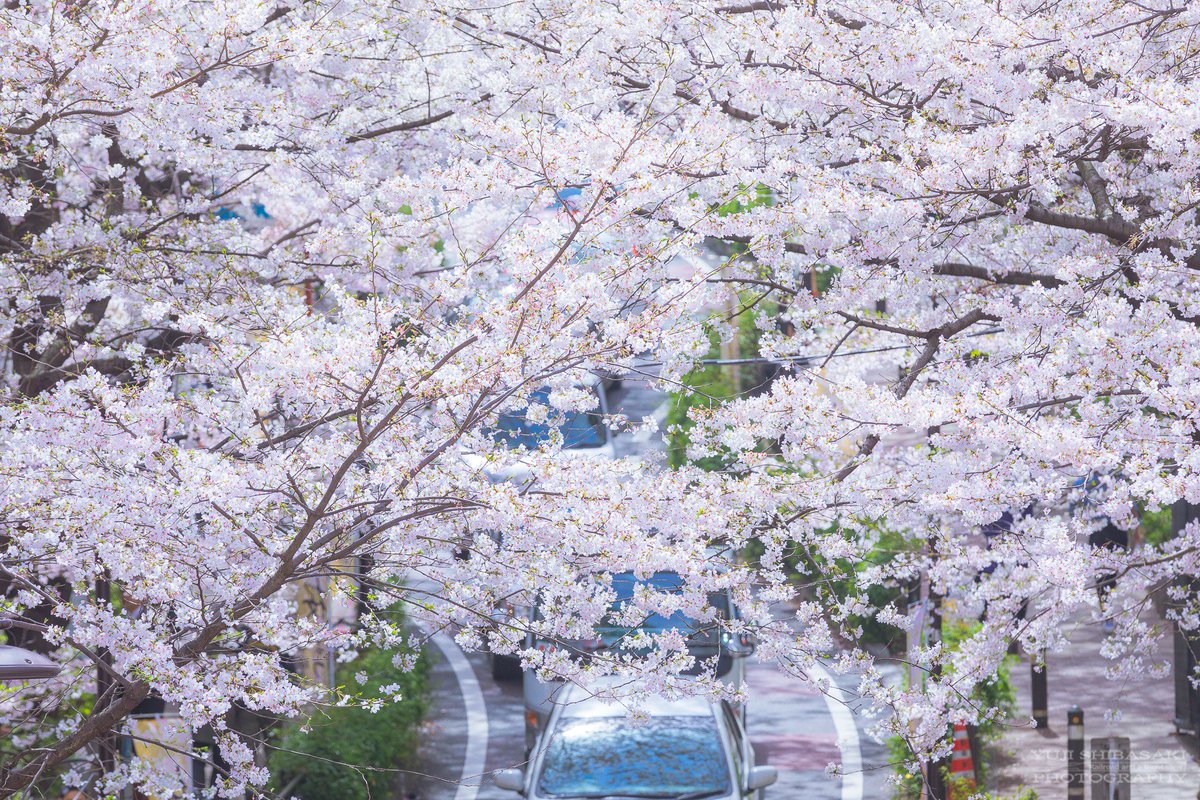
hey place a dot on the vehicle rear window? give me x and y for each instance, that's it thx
(662, 757)
(580, 431)
(699, 634)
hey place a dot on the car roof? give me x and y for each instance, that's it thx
(578, 703)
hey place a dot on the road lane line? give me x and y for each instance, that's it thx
(477, 719)
(847, 734)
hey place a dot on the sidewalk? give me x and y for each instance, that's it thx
(1163, 764)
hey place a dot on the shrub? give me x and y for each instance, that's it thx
(995, 692)
(709, 385)
(1156, 525)
(348, 752)
(908, 786)
(834, 581)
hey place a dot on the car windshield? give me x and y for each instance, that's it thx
(580, 431)
(609, 756)
(699, 634)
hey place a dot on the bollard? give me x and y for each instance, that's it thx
(1076, 779)
(1110, 768)
(1041, 706)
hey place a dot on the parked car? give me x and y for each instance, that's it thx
(705, 642)
(584, 435)
(687, 749)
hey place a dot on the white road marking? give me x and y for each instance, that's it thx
(847, 735)
(477, 719)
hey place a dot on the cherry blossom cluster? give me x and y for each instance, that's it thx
(270, 272)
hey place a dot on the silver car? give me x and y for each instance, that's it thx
(705, 642)
(688, 749)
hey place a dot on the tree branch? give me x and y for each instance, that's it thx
(959, 270)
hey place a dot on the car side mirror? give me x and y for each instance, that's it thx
(757, 779)
(739, 645)
(511, 779)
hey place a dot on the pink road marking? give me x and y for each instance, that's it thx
(769, 679)
(797, 751)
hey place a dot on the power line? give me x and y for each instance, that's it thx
(809, 359)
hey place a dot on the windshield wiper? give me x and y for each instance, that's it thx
(700, 794)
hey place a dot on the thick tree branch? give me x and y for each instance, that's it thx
(960, 270)
(57, 352)
(1097, 187)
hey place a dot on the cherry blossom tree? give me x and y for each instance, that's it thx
(271, 272)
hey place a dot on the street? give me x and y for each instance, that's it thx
(790, 723)
(793, 726)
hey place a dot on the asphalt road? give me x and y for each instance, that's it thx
(474, 720)
(792, 725)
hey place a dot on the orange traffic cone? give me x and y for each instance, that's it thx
(962, 765)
